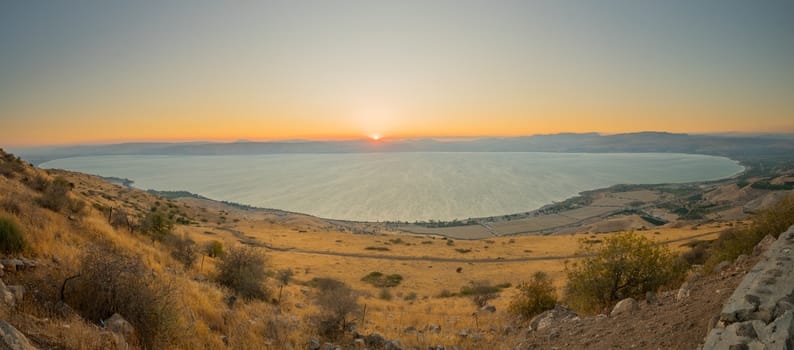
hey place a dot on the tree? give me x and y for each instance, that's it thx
(534, 297)
(336, 302)
(626, 265)
(157, 225)
(243, 270)
(184, 250)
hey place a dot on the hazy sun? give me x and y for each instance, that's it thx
(375, 137)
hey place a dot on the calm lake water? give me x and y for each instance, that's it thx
(401, 186)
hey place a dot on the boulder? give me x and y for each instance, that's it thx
(625, 306)
(314, 344)
(375, 340)
(17, 291)
(6, 295)
(12, 265)
(763, 245)
(393, 345)
(551, 317)
(119, 325)
(683, 292)
(489, 308)
(11, 338)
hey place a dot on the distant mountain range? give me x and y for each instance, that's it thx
(737, 146)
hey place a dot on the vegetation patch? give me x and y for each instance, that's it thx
(381, 249)
(11, 239)
(378, 279)
(534, 297)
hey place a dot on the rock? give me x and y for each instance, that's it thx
(1, 270)
(551, 317)
(314, 344)
(299, 306)
(433, 328)
(464, 333)
(763, 245)
(488, 307)
(721, 266)
(11, 338)
(6, 296)
(119, 325)
(393, 345)
(410, 329)
(18, 292)
(625, 306)
(440, 347)
(375, 340)
(650, 298)
(741, 259)
(328, 346)
(225, 340)
(305, 290)
(12, 265)
(683, 292)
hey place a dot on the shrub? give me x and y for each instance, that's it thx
(243, 270)
(534, 297)
(114, 283)
(627, 265)
(378, 279)
(184, 250)
(214, 249)
(481, 292)
(55, 194)
(734, 242)
(336, 303)
(157, 225)
(410, 296)
(11, 239)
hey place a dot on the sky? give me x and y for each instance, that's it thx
(116, 71)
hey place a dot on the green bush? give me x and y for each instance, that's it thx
(243, 270)
(11, 239)
(626, 265)
(157, 225)
(55, 194)
(214, 249)
(481, 292)
(378, 279)
(534, 297)
(734, 242)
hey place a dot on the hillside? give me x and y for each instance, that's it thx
(90, 242)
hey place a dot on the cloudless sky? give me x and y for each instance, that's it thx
(110, 71)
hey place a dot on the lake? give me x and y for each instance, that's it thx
(401, 186)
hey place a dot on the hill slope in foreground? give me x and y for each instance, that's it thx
(102, 266)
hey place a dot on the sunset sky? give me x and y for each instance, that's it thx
(113, 71)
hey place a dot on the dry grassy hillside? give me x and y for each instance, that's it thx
(100, 229)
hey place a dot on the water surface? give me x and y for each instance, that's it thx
(401, 186)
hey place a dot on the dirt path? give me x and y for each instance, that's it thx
(249, 241)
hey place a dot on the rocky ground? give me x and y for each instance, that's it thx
(678, 319)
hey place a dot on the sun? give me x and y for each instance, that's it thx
(375, 137)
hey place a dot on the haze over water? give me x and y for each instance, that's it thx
(401, 186)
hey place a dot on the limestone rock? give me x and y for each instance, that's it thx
(489, 307)
(119, 325)
(721, 266)
(763, 245)
(11, 338)
(551, 317)
(625, 306)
